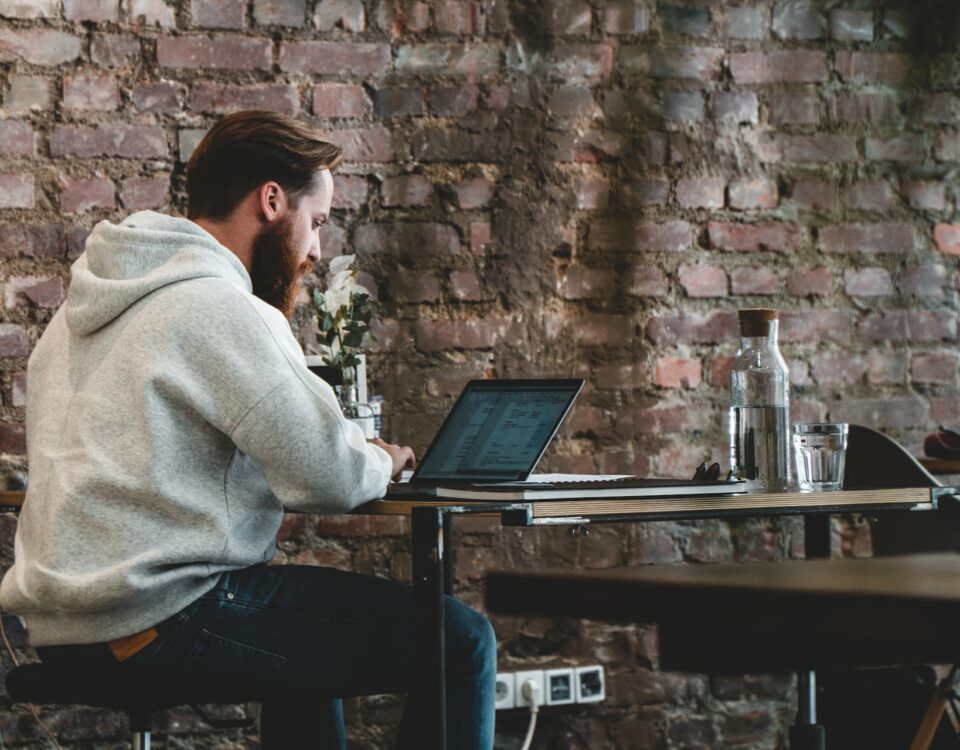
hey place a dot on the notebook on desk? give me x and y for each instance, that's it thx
(496, 433)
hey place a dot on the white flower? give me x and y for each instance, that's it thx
(335, 298)
(341, 263)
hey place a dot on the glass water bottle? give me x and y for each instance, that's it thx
(760, 406)
(357, 411)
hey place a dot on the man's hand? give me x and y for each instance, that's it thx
(402, 457)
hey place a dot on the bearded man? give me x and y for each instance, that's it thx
(171, 420)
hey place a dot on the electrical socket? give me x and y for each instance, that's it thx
(560, 686)
(506, 691)
(520, 678)
(590, 684)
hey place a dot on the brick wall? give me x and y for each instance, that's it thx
(540, 188)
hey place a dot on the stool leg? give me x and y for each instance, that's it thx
(806, 734)
(140, 731)
(141, 741)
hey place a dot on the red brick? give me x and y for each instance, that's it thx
(815, 325)
(934, 368)
(14, 341)
(18, 389)
(450, 145)
(598, 329)
(837, 367)
(795, 66)
(32, 240)
(13, 438)
(416, 286)
(747, 23)
(574, 101)
(442, 335)
(673, 418)
(126, 141)
(579, 61)
(757, 193)
(228, 53)
(941, 108)
(682, 106)
(139, 193)
(720, 367)
(618, 377)
(397, 101)
(223, 98)
(114, 50)
(151, 13)
(798, 21)
(892, 69)
(480, 237)
(84, 194)
(26, 94)
(870, 195)
(570, 19)
(946, 147)
(702, 281)
(98, 11)
(348, 15)
(475, 192)
(945, 411)
(851, 25)
(898, 413)
(886, 368)
(412, 239)
(700, 192)
(874, 239)
(453, 101)
(465, 286)
(822, 147)
(454, 18)
(647, 281)
(291, 13)
(692, 63)
(910, 325)
(862, 107)
(790, 108)
(339, 100)
(589, 283)
(867, 282)
(690, 328)
(217, 14)
(754, 280)
(38, 46)
(947, 238)
(677, 372)
(753, 237)
(17, 139)
(407, 190)
(591, 193)
(90, 92)
(901, 148)
(34, 291)
(924, 195)
(625, 17)
(369, 145)
(735, 107)
(804, 282)
(16, 190)
(648, 192)
(158, 97)
(669, 236)
(815, 195)
(923, 281)
(349, 191)
(474, 60)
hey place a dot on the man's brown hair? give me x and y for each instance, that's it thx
(246, 149)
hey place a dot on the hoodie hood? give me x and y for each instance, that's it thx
(123, 263)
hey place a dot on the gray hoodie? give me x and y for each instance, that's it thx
(170, 419)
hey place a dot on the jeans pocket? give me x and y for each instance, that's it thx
(216, 652)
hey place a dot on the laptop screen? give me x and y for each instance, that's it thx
(497, 430)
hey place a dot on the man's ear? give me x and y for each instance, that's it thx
(272, 200)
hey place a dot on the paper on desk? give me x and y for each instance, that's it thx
(575, 477)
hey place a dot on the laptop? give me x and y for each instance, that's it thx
(493, 438)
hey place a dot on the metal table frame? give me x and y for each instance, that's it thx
(432, 548)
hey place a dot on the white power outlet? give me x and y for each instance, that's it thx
(506, 692)
(560, 686)
(590, 685)
(520, 679)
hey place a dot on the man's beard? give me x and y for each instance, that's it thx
(275, 273)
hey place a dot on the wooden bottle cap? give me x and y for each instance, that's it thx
(756, 321)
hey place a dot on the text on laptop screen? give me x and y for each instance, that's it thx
(496, 433)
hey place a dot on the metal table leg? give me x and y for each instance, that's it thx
(806, 734)
(428, 585)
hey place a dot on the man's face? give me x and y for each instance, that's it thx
(287, 247)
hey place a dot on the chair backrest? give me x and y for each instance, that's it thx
(877, 460)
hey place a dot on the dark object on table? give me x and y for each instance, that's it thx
(707, 473)
(943, 443)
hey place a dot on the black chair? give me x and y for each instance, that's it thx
(139, 693)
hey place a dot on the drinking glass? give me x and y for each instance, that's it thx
(820, 449)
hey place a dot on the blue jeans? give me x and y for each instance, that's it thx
(346, 634)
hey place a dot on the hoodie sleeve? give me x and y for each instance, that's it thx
(313, 458)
